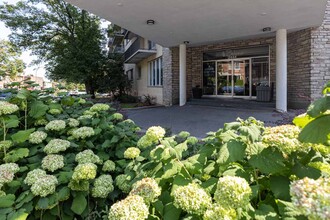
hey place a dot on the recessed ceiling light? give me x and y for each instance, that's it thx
(186, 42)
(119, 4)
(150, 22)
(263, 13)
(267, 29)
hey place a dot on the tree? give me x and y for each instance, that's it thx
(10, 63)
(68, 39)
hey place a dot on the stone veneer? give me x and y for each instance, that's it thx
(167, 77)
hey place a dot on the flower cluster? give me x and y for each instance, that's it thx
(99, 107)
(147, 188)
(81, 101)
(44, 186)
(87, 156)
(132, 207)
(83, 117)
(7, 172)
(283, 137)
(56, 145)
(52, 162)
(41, 122)
(312, 197)
(79, 185)
(55, 125)
(122, 182)
(85, 171)
(83, 132)
(73, 122)
(218, 212)
(5, 145)
(88, 112)
(132, 153)
(117, 116)
(54, 111)
(37, 137)
(232, 192)
(103, 185)
(145, 142)
(33, 176)
(108, 166)
(7, 108)
(192, 198)
(155, 133)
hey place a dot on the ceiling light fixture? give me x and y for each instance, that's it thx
(186, 42)
(266, 29)
(150, 22)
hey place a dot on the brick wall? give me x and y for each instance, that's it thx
(175, 74)
(167, 77)
(320, 55)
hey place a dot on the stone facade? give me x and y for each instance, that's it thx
(167, 77)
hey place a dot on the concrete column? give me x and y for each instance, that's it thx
(183, 74)
(281, 70)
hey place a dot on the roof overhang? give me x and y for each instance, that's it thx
(200, 22)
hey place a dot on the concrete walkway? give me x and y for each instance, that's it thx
(198, 119)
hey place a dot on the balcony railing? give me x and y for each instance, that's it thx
(136, 52)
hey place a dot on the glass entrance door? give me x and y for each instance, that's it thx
(225, 78)
(241, 77)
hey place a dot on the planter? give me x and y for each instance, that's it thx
(264, 94)
(197, 93)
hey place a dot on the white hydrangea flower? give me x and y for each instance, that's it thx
(84, 171)
(56, 145)
(192, 198)
(312, 197)
(33, 175)
(99, 107)
(37, 137)
(82, 117)
(103, 185)
(147, 188)
(83, 132)
(7, 108)
(52, 162)
(7, 172)
(155, 133)
(87, 156)
(55, 125)
(132, 207)
(232, 192)
(88, 112)
(219, 213)
(73, 122)
(132, 153)
(122, 182)
(5, 145)
(45, 185)
(109, 166)
(54, 111)
(117, 116)
(145, 142)
(41, 122)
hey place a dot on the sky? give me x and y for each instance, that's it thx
(26, 57)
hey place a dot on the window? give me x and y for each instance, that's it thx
(155, 69)
(129, 74)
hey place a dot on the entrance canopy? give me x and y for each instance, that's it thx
(205, 21)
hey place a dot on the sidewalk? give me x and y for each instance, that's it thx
(197, 119)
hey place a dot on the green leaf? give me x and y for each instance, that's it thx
(38, 109)
(11, 121)
(43, 203)
(22, 136)
(18, 215)
(265, 212)
(64, 194)
(252, 132)
(69, 101)
(302, 120)
(289, 211)
(171, 212)
(23, 94)
(16, 155)
(302, 171)
(319, 106)
(317, 131)
(114, 139)
(269, 161)
(159, 207)
(210, 185)
(79, 204)
(231, 126)
(280, 186)
(178, 181)
(7, 201)
(231, 152)
(171, 169)
(106, 144)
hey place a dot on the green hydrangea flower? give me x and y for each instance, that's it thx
(117, 116)
(81, 101)
(79, 185)
(219, 213)
(88, 112)
(40, 122)
(192, 198)
(33, 175)
(103, 185)
(56, 145)
(88, 156)
(52, 162)
(109, 166)
(7, 172)
(184, 134)
(147, 188)
(85, 171)
(83, 117)
(2, 193)
(132, 153)
(54, 111)
(37, 137)
(55, 125)
(5, 145)
(45, 185)
(99, 107)
(155, 133)
(73, 122)
(232, 192)
(83, 132)
(132, 207)
(312, 197)
(7, 108)
(192, 140)
(122, 182)
(145, 142)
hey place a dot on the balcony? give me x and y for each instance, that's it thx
(136, 52)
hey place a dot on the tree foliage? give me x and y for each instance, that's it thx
(10, 63)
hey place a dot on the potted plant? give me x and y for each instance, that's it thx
(197, 92)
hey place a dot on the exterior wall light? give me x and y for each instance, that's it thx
(150, 22)
(267, 29)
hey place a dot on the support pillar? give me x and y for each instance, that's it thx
(183, 74)
(281, 70)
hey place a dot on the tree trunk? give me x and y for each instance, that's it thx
(90, 88)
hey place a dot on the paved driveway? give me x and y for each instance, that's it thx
(198, 120)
